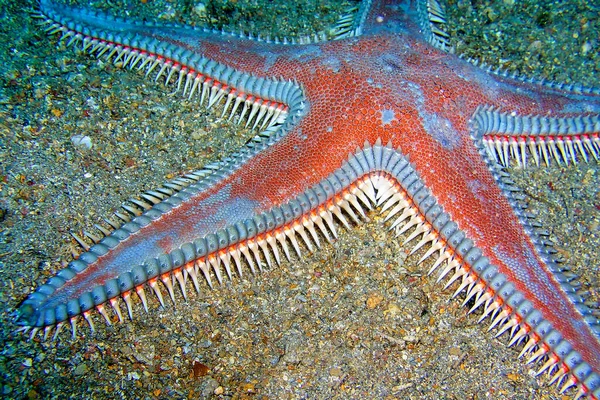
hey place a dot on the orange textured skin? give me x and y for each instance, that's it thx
(397, 89)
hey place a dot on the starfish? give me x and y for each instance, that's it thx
(384, 116)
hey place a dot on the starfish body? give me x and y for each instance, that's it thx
(384, 116)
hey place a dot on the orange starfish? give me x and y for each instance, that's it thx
(383, 116)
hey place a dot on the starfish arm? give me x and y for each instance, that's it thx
(564, 140)
(516, 117)
(420, 19)
(185, 55)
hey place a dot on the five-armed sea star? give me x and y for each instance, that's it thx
(453, 203)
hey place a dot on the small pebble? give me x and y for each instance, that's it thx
(81, 369)
(586, 47)
(82, 142)
(410, 338)
(199, 134)
(374, 300)
(168, 13)
(133, 376)
(455, 351)
(200, 10)
(535, 46)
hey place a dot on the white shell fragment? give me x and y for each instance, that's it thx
(82, 142)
